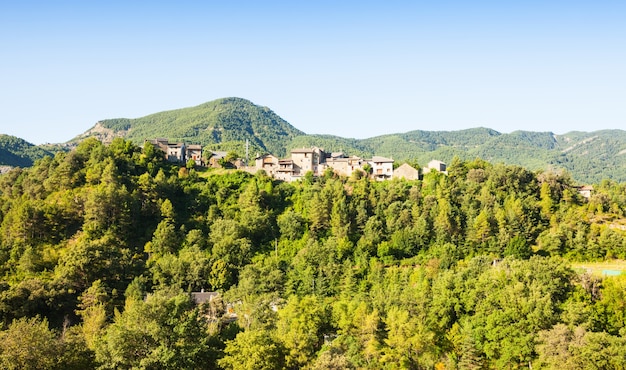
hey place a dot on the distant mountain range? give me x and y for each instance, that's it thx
(225, 124)
(589, 157)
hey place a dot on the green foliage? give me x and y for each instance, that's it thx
(219, 121)
(100, 248)
(28, 343)
(564, 348)
(252, 350)
(301, 327)
(161, 332)
(16, 152)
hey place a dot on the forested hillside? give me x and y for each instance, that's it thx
(225, 124)
(100, 248)
(228, 121)
(589, 157)
(17, 152)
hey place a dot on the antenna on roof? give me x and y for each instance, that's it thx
(247, 151)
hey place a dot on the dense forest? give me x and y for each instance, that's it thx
(101, 247)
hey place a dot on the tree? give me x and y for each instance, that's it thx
(443, 222)
(88, 259)
(481, 228)
(187, 270)
(332, 359)
(229, 244)
(360, 331)
(253, 350)
(291, 224)
(107, 207)
(339, 217)
(28, 343)
(319, 212)
(165, 239)
(611, 307)
(300, 328)
(367, 168)
(409, 342)
(547, 202)
(565, 348)
(162, 332)
(94, 309)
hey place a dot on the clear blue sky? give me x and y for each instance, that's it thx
(348, 68)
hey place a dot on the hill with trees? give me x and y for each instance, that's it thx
(589, 157)
(101, 247)
(228, 121)
(16, 152)
(225, 125)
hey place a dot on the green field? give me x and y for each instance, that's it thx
(606, 268)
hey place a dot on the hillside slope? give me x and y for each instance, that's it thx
(590, 157)
(227, 120)
(225, 124)
(594, 155)
(16, 152)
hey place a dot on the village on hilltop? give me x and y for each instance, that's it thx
(301, 161)
(317, 161)
(304, 160)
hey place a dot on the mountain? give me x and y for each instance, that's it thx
(225, 124)
(16, 152)
(594, 155)
(590, 157)
(228, 122)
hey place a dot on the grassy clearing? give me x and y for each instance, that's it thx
(206, 172)
(606, 268)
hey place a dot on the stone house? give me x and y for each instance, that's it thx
(267, 163)
(194, 151)
(214, 160)
(436, 165)
(285, 170)
(342, 165)
(407, 172)
(305, 160)
(585, 191)
(203, 297)
(174, 152)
